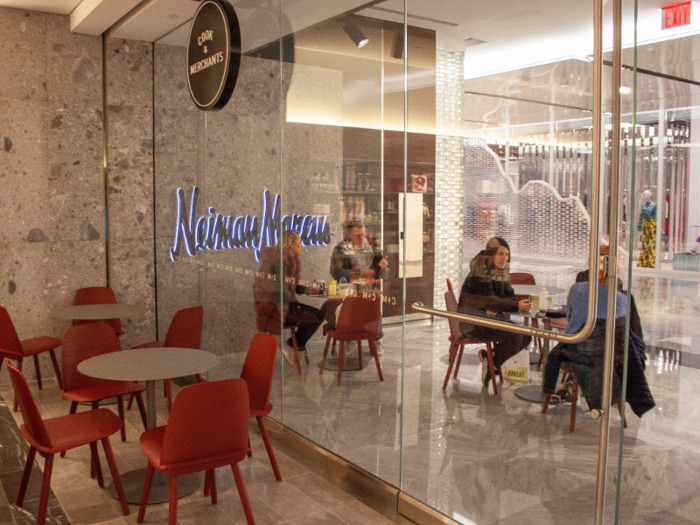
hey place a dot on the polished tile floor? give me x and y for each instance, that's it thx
(302, 498)
(487, 459)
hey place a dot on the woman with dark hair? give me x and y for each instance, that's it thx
(487, 292)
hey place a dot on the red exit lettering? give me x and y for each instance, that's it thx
(675, 15)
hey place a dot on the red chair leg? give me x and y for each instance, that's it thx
(25, 477)
(325, 354)
(333, 348)
(168, 393)
(341, 349)
(359, 351)
(206, 483)
(242, 493)
(120, 408)
(296, 350)
(38, 371)
(574, 404)
(107, 446)
(453, 354)
(172, 514)
(373, 348)
(250, 449)
(458, 360)
(268, 447)
(56, 368)
(492, 369)
(130, 402)
(199, 379)
(45, 488)
(19, 367)
(547, 398)
(619, 409)
(211, 478)
(95, 460)
(150, 470)
(142, 410)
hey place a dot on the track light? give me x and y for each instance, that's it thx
(355, 34)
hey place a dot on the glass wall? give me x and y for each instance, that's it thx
(367, 157)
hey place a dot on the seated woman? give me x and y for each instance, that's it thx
(487, 292)
(586, 358)
(266, 290)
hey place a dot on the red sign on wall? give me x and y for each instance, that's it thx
(675, 15)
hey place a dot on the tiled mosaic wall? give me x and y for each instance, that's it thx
(535, 221)
(449, 170)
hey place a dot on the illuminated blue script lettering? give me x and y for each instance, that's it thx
(220, 232)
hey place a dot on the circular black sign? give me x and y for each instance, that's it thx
(213, 54)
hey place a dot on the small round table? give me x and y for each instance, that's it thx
(150, 365)
(535, 289)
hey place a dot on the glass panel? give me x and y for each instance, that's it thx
(659, 449)
(513, 161)
(342, 161)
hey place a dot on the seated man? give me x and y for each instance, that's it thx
(487, 292)
(358, 261)
(586, 358)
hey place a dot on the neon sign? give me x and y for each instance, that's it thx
(220, 232)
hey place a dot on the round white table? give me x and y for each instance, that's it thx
(535, 289)
(88, 312)
(150, 365)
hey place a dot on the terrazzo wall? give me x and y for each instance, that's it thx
(51, 172)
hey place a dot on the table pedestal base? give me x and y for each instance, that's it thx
(531, 393)
(350, 364)
(160, 488)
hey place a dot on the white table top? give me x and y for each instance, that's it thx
(149, 364)
(535, 289)
(99, 311)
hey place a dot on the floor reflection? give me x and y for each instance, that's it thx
(498, 460)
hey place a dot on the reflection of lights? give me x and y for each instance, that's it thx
(625, 90)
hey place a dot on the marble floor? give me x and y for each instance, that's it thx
(302, 498)
(487, 460)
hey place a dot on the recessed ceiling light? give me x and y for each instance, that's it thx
(469, 42)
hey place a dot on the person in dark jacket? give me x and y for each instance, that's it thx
(487, 292)
(266, 292)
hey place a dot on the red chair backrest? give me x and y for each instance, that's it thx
(9, 340)
(258, 369)
(80, 343)
(359, 313)
(97, 295)
(522, 278)
(185, 330)
(33, 423)
(451, 306)
(208, 420)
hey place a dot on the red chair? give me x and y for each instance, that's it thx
(458, 341)
(12, 348)
(80, 343)
(207, 429)
(257, 372)
(97, 295)
(358, 321)
(185, 331)
(59, 434)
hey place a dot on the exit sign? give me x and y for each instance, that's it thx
(675, 15)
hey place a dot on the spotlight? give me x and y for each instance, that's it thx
(355, 34)
(397, 46)
(625, 90)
